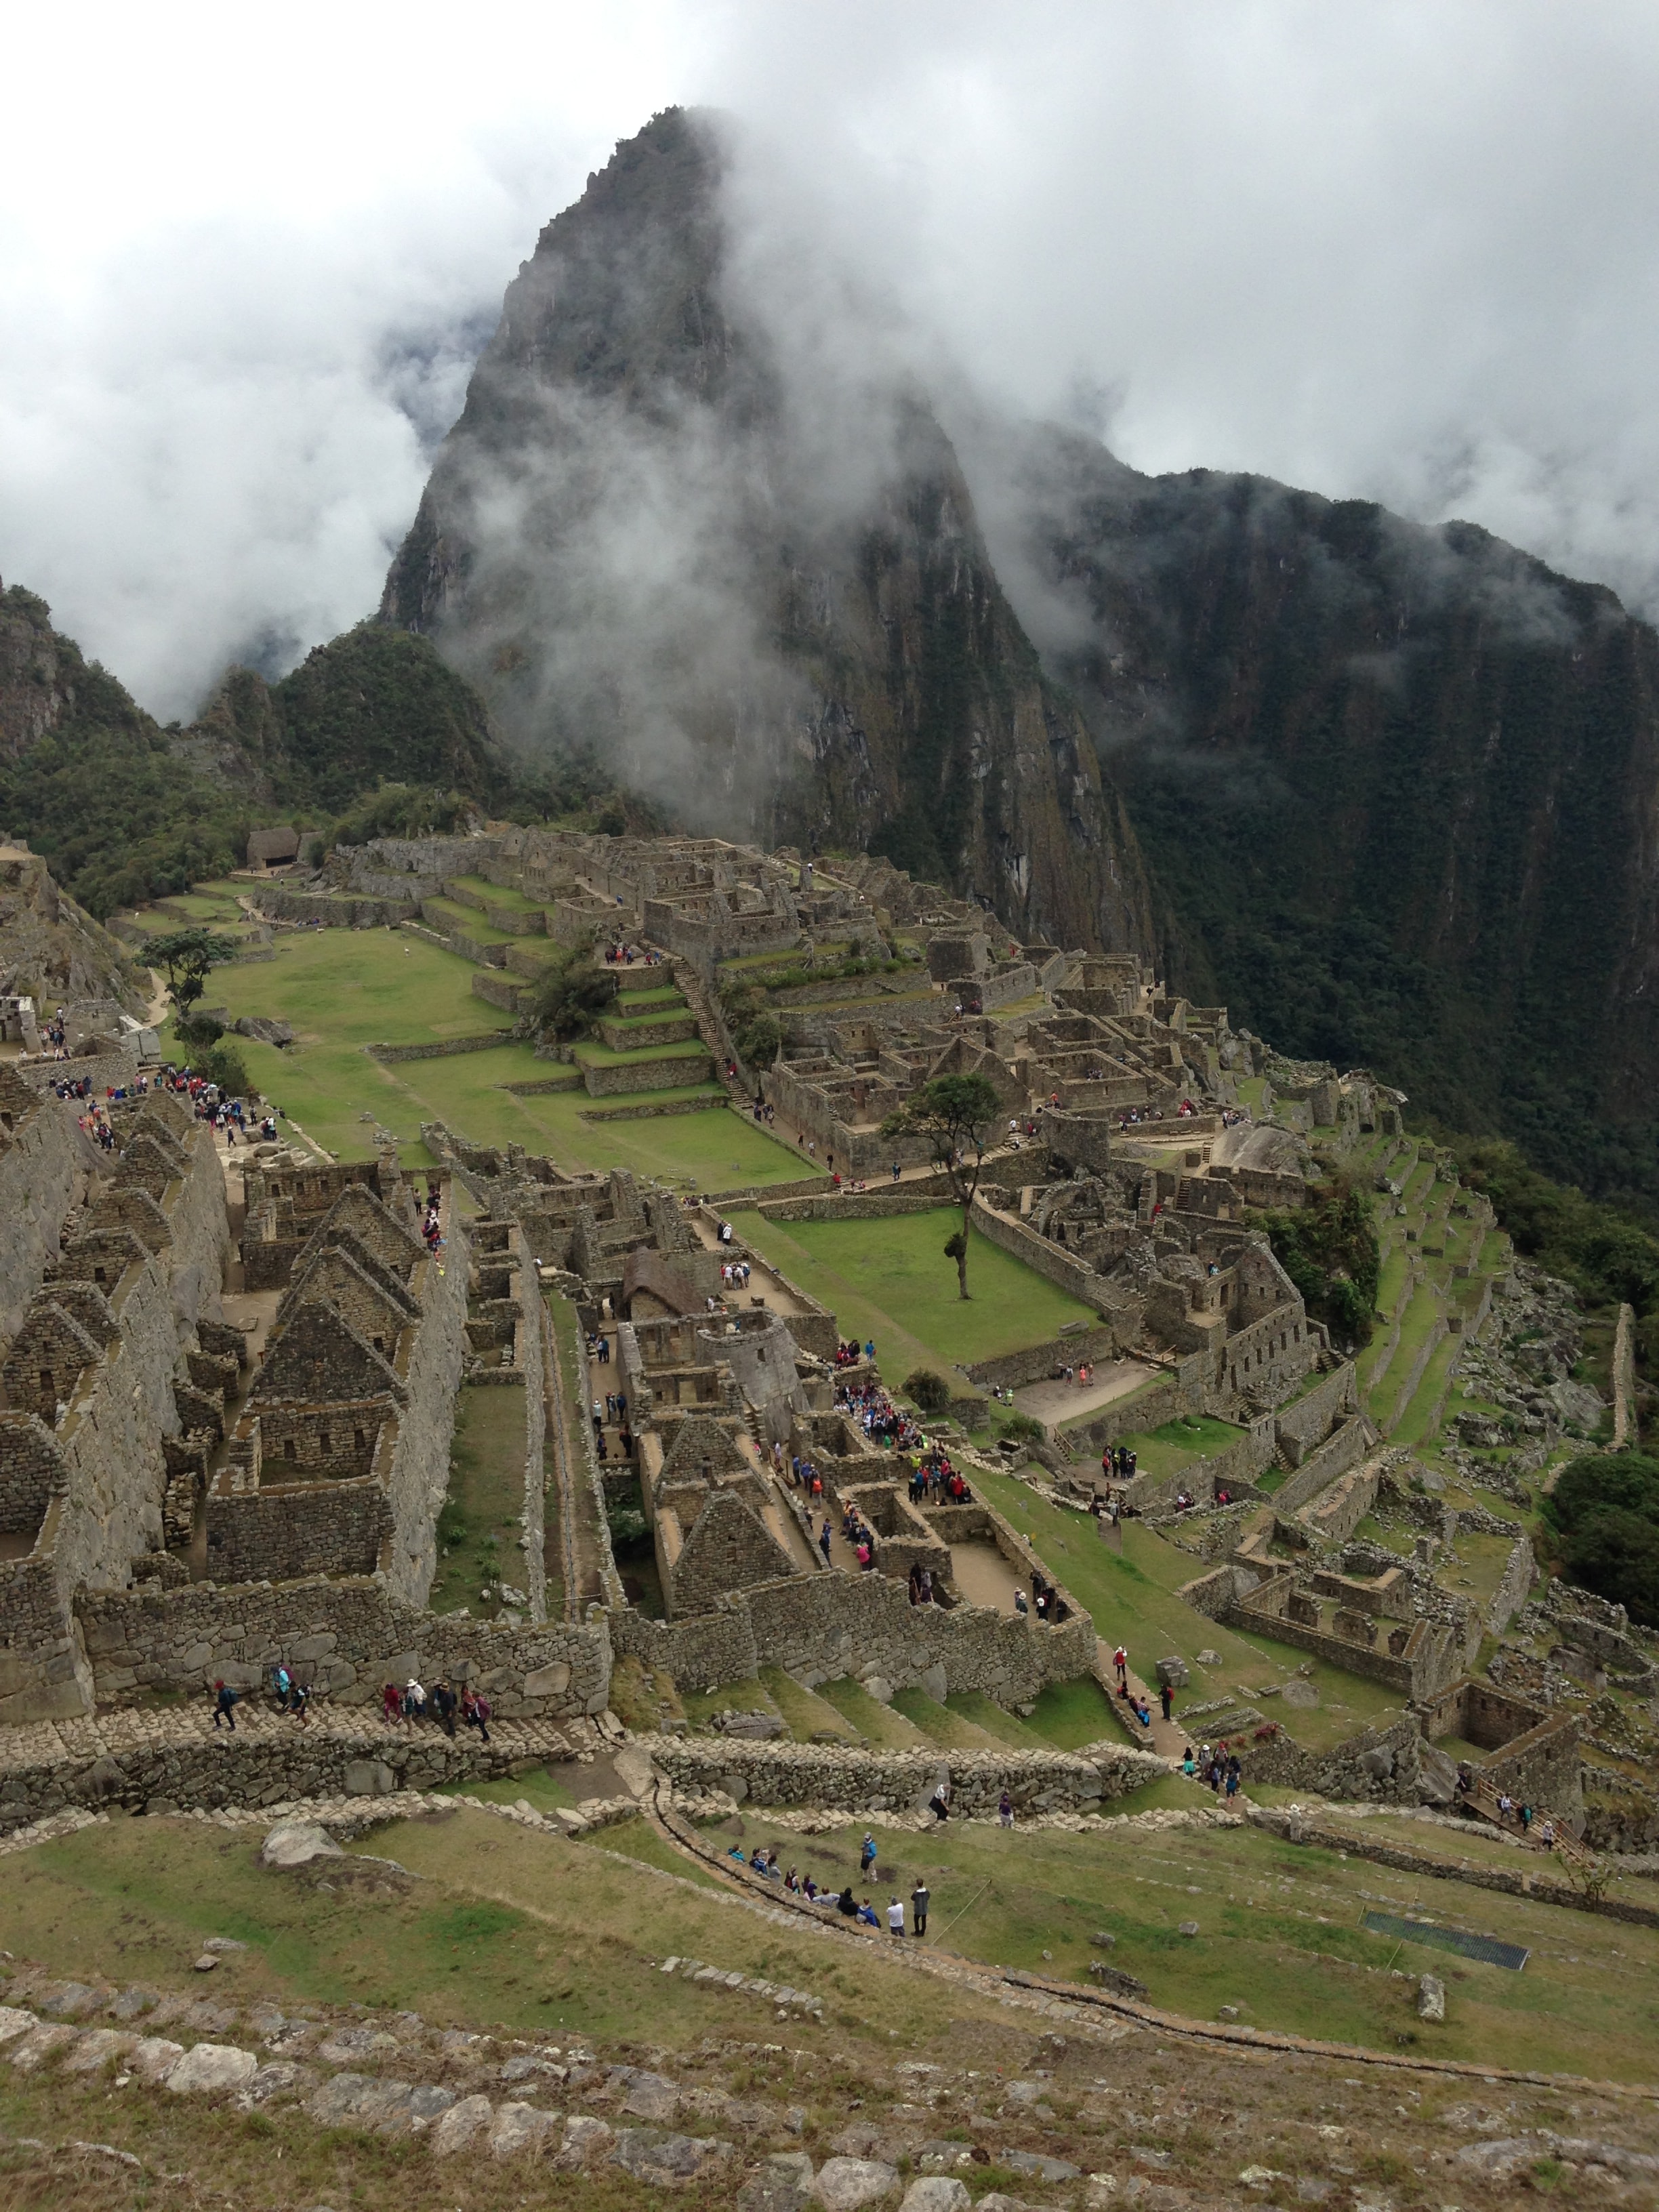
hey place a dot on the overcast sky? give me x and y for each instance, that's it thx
(1409, 252)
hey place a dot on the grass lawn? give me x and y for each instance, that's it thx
(804, 1713)
(478, 1528)
(1131, 1596)
(590, 1054)
(1070, 1714)
(1167, 1450)
(890, 1280)
(885, 1730)
(343, 989)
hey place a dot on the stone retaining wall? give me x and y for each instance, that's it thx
(348, 1638)
(1038, 1361)
(611, 1080)
(826, 1627)
(1045, 1258)
(856, 1781)
(440, 1048)
(848, 1205)
(1299, 1428)
(1339, 1452)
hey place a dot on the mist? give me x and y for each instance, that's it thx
(1402, 253)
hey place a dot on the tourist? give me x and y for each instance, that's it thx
(1020, 1605)
(414, 1701)
(1120, 1661)
(866, 1914)
(939, 1803)
(224, 1706)
(1166, 1698)
(475, 1711)
(443, 1704)
(300, 1704)
(919, 1902)
(846, 1906)
(825, 1539)
(867, 1856)
(282, 1682)
(391, 1703)
(895, 1918)
(1005, 1810)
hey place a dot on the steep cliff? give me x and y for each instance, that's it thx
(1400, 785)
(645, 536)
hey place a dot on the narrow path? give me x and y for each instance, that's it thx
(1624, 1380)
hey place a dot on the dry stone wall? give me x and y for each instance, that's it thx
(833, 1775)
(829, 1626)
(38, 1178)
(347, 1637)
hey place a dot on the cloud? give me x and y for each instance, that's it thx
(1401, 253)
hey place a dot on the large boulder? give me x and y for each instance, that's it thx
(846, 2185)
(211, 2066)
(296, 1844)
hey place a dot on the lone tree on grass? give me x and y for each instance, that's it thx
(956, 1114)
(189, 956)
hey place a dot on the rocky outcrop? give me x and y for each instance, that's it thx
(816, 645)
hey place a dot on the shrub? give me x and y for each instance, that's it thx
(223, 1064)
(760, 1040)
(930, 1391)
(1605, 1507)
(572, 996)
(1023, 1430)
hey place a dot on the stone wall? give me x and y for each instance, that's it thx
(38, 1178)
(830, 1625)
(1038, 1361)
(107, 1071)
(873, 1782)
(1306, 1424)
(1382, 1763)
(1046, 1259)
(347, 1637)
(610, 1080)
(1235, 1468)
(1513, 1585)
(849, 1206)
(1339, 1452)
(284, 1530)
(443, 1048)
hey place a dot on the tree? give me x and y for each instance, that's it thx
(189, 956)
(571, 996)
(954, 1114)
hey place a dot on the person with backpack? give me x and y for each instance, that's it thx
(443, 1704)
(224, 1706)
(475, 1711)
(866, 1855)
(282, 1683)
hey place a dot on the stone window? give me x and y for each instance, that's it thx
(45, 1381)
(360, 1438)
(289, 1449)
(326, 1442)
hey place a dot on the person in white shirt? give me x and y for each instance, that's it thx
(896, 1918)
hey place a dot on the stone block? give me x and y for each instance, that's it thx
(846, 2185)
(550, 1681)
(210, 2068)
(1172, 1673)
(461, 2125)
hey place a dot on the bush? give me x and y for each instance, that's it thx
(1023, 1430)
(930, 1391)
(223, 1064)
(760, 1040)
(1329, 1249)
(572, 996)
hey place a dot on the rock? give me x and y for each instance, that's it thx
(943, 2157)
(995, 2200)
(1022, 2093)
(1430, 1998)
(128, 2004)
(278, 2077)
(96, 2048)
(1299, 1693)
(771, 2192)
(68, 2000)
(1104, 1940)
(529, 2065)
(15, 2022)
(585, 2140)
(1437, 1775)
(842, 2184)
(792, 2166)
(345, 2044)
(205, 1964)
(152, 2058)
(936, 2193)
(368, 1778)
(1378, 1763)
(211, 2066)
(878, 1687)
(1032, 2163)
(1172, 1673)
(1209, 1659)
(1309, 2190)
(223, 1943)
(461, 2125)
(651, 2097)
(520, 2131)
(296, 1844)
(1226, 2012)
(934, 1683)
(42, 2043)
(341, 2099)
(1188, 1928)
(1261, 2176)
(663, 2161)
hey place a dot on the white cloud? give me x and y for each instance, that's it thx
(1402, 252)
